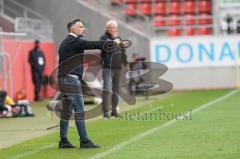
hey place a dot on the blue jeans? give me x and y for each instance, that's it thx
(72, 101)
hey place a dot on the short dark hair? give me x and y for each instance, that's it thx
(71, 23)
(37, 41)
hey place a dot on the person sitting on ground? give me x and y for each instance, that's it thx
(3, 108)
(21, 100)
(11, 109)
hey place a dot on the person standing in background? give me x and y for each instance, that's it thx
(37, 61)
(111, 72)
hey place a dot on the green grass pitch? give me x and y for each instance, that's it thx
(210, 133)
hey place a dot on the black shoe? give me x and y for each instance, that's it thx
(88, 144)
(106, 116)
(65, 144)
(37, 99)
(115, 114)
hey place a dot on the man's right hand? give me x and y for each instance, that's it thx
(117, 41)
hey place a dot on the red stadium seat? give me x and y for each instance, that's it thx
(130, 1)
(189, 20)
(116, 2)
(146, 1)
(204, 31)
(130, 10)
(175, 8)
(190, 31)
(204, 19)
(160, 8)
(204, 6)
(174, 32)
(189, 7)
(145, 8)
(174, 20)
(172, 0)
(159, 21)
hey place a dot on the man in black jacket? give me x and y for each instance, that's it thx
(3, 95)
(112, 64)
(70, 72)
(37, 61)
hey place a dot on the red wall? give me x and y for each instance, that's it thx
(21, 71)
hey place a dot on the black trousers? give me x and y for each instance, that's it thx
(111, 84)
(37, 78)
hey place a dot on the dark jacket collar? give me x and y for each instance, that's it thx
(109, 35)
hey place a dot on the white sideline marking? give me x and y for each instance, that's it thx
(151, 131)
(33, 151)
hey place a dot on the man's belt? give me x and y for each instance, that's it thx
(73, 76)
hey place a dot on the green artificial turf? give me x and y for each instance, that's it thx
(211, 133)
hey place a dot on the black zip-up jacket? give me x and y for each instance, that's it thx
(69, 48)
(114, 59)
(3, 95)
(36, 56)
